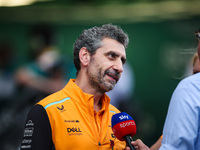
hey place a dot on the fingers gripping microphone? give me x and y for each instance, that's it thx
(124, 128)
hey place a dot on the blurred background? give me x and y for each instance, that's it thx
(36, 40)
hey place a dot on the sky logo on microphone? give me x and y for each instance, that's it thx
(120, 117)
(123, 125)
(123, 117)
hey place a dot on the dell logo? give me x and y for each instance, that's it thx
(73, 130)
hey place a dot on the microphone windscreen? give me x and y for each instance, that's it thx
(122, 125)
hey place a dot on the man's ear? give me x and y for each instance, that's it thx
(84, 56)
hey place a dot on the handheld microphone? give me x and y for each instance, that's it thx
(124, 128)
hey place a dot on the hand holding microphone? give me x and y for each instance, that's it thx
(124, 128)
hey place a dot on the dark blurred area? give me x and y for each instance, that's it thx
(36, 59)
(44, 72)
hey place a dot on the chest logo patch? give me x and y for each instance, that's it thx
(62, 108)
(74, 131)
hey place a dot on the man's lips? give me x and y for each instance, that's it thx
(114, 76)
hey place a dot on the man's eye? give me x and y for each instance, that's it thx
(111, 55)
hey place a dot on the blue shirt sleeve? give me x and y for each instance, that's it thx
(181, 129)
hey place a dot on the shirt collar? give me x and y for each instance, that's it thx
(77, 95)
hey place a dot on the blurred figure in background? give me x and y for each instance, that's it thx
(7, 83)
(44, 74)
(40, 37)
(7, 89)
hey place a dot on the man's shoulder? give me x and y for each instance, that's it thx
(113, 109)
(187, 87)
(191, 80)
(53, 98)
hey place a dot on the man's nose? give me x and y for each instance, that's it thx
(118, 66)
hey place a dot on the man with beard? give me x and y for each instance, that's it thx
(79, 115)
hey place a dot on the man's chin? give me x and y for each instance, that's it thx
(110, 87)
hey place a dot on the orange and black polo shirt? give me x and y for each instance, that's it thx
(67, 120)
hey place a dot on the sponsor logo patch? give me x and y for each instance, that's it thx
(28, 132)
(62, 108)
(72, 121)
(29, 123)
(74, 131)
(26, 141)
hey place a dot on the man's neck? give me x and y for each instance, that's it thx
(86, 88)
(97, 103)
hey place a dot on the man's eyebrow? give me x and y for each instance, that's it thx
(112, 52)
(123, 59)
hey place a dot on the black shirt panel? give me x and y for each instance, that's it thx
(37, 132)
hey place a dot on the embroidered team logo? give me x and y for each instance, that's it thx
(62, 108)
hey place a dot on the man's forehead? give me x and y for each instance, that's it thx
(113, 45)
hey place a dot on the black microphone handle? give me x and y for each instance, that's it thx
(128, 140)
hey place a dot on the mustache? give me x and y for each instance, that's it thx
(116, 75)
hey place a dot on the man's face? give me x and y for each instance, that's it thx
(106, 65)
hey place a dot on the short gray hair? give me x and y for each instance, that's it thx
(91, 39)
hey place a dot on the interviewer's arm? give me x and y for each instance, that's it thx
(156, 145)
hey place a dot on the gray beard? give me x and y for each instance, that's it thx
(99, 84)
